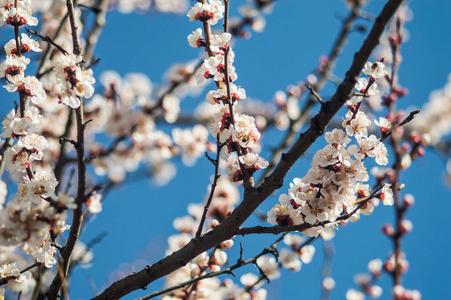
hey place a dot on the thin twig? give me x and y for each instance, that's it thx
(212, 190)
(77, 217)
(314, 93)
(396, 178)
(409, 118)
(48, 40)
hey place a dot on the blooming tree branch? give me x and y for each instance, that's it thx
(252, 198)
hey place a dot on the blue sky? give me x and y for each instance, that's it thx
(138, 218)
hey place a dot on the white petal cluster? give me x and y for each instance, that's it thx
(375, 70)
(42, 185)
(15, 126)
(193, 142)
(27, 44)
(17, 16)
(333, 185)
(74, 82)
(212, 12)
(196, 39)
(30, 86)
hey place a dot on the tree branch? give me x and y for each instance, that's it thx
(77, 217)
(253, 198)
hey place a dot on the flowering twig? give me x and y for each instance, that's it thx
(77, 217)
(48, 40)
(212, 190)
(314, 93)
(6, 279)
(48, 52)
(278, 229)
(356, 110)
(399, 210)
(240, 263)
(409, 118)
(247, 177)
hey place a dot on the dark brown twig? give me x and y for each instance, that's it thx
(212, 190)
(314, 93)
(48, 40)
(77, 218)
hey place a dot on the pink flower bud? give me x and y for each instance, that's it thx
(374, 291)
(344, 223)
(405, 147)
(375, 267)
(404, 265)
(420, 151)
(401, 91)
(214, 223)
(328, 283)
(425, 139)
(388, 230)
(389, 266)
(406, 226)
(398, 292)
(413, 295)
(312, 79)
(408, 200)
(415, 137)
(293, 90)
(227, 244)
(280, 98)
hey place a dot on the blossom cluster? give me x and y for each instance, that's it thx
(225, 197)
(31, 221)
(126, 112)
(236, 133)
(237, 140)
(26, 222)
(334, 185)
(13, 68)
(74, 82)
